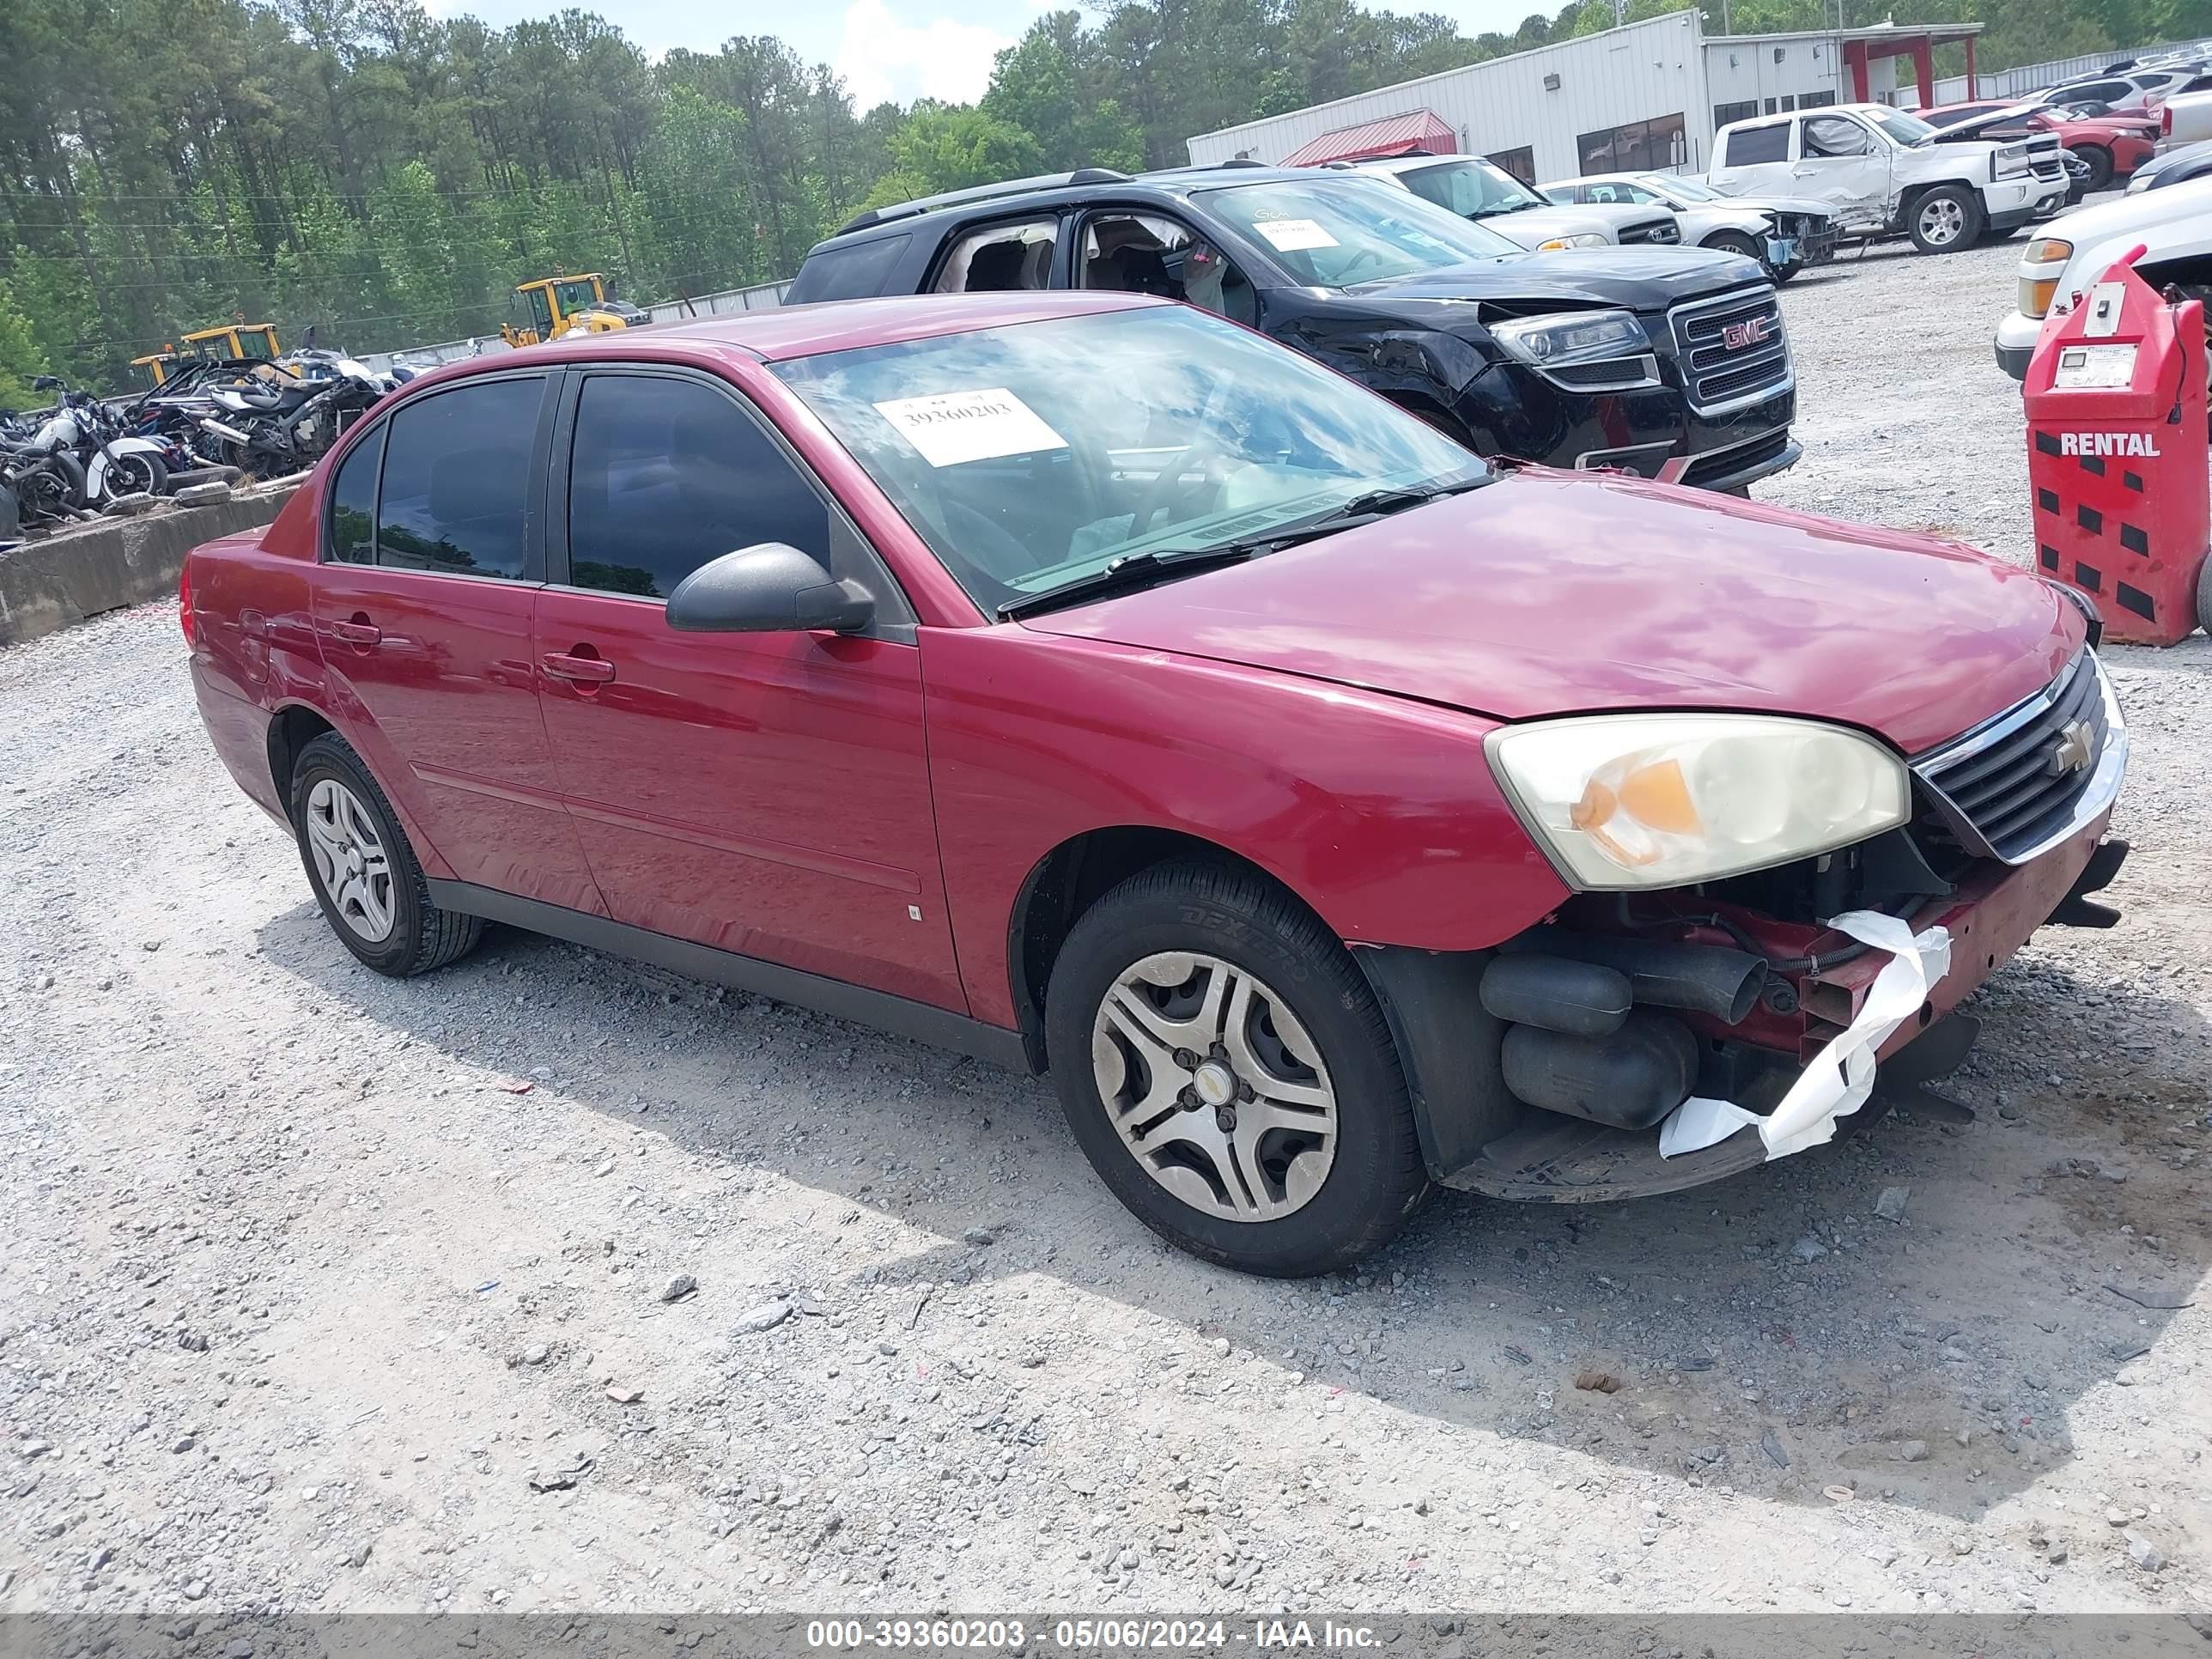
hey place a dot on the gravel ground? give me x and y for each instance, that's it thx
(555, 1282)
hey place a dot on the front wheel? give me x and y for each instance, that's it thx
(2205, 596)
(1224, 1066)
(1945, 220)
(2100, 162)
(133, 473)
(1783, 273)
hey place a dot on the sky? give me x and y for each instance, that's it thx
(885, 49)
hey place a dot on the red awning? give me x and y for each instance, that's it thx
(1394, 134)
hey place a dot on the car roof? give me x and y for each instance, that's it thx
(1396, 163)
(1164, 185)
(793, 332)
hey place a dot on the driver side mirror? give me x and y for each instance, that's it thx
(768, 588)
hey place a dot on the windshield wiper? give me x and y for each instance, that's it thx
(1379, 503)
(1135, 570)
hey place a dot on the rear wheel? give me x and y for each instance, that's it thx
(2205, 596)
(1946, 219)
(365, 875)
(2100, 162)
(1225, 1068)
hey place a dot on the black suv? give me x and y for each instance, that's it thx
(1669, 362)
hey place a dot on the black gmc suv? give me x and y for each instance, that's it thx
(1669, 362)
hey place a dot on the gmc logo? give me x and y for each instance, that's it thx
(1750, 332)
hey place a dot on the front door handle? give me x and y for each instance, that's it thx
(359, 631)
(565, 665)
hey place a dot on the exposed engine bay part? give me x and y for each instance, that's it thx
(1841, 1077)
(1628, 1080)
(1701, 979)
(1581, 998)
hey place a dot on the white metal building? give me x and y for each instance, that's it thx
(1646, 95)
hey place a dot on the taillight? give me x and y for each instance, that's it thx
(185, 618)
(2165, 120)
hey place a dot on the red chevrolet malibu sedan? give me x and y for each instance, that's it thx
(1086, 683)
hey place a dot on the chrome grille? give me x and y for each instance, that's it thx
(2012, 787)
(1731, 349)
(1657, 232)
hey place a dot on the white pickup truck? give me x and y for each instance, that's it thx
(1888, 173)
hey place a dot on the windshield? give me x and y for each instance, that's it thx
(1032, 456)
(574, 297)
(1905, 129)
(1470, 187)
(1689, 189)
(1335, 232)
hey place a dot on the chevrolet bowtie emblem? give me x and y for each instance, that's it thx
(2075, 748)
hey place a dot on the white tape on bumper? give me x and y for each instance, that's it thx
(1841, 1076)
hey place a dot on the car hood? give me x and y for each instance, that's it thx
(1530, 226)
(1554, 592)
(1640, 279)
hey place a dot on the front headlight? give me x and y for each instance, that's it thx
(1580, 238)
(2010, 166)
(1571, 336)
(1665, 800)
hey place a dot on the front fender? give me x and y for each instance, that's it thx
(1379, 812)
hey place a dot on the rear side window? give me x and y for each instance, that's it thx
(858, 271)
(1749, 146)
(667, 474)
(353, 502)
(1000, 259)
(456, 479)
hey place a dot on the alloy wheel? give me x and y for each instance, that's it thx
(1942, 222)
(1214, 1087)
(351, 858)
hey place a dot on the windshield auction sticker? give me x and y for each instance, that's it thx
(953, 427)
(1289, 235)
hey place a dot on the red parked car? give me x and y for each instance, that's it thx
(2111, 146)
(1082, 680)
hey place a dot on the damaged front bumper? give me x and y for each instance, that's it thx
(1549, 1156)
(1636, 1044)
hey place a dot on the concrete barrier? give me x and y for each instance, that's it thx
(47, 586)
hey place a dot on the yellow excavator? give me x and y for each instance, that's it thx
(155, 367)
(554, 306)
(235, 341)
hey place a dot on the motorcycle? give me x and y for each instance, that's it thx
(103, 462)
(285, 425)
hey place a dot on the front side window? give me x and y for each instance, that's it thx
(1000, 259)
(1028, 457)
(1751, 147)
(1337, 232)
(353, 502)
(1834, 136)
(456, 480)
(1146, 253)
(667, 474)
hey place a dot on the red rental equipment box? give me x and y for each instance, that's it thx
(2116, 455)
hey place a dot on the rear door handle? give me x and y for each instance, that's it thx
(563, 666)
(357, 633)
